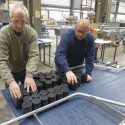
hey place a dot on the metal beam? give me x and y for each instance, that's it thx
(116, 10)
(34, 14)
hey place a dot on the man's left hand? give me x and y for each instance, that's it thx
(30, 83)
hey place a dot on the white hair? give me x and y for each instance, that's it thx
(85, 22)
(91, 13)
(19, 6)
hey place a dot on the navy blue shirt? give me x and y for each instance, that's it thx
(72, 52)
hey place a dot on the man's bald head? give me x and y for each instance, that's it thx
(18, 17)
(19, 8)
(81, 29)
(84, 23)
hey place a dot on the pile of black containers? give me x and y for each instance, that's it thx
(51, 86)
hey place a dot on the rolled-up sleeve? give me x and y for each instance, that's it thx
(5, 72)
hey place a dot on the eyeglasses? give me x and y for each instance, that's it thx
(19, 21)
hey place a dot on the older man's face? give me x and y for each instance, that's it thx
(81, 32)
(18, 20)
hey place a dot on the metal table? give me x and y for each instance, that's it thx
(103, 44)
(42, 44)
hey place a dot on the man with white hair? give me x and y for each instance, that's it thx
(76, 47)
(18, 51)
(91, 17)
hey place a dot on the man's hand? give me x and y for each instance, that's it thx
(89, 78)
(30, 83)
(71, 78)
(14, 89)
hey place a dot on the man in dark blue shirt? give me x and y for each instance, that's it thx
(76, 45)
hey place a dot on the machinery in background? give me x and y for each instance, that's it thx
(72, 19)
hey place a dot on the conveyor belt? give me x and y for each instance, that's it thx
(78, 108)
(106, 84)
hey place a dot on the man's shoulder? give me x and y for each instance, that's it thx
(90, 39)
(90, 36)
(6, 31)
(30, 30)
(68, 32)
(28, 27)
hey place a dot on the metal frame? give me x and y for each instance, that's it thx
(98, 100)
(43, 45)
(99, 66)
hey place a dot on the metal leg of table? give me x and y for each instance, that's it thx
(56, 41)
(103, 52)
(114, 54)
(43, 45)
(40, 52)
(44, 54)
(44, 58)
(49, 53)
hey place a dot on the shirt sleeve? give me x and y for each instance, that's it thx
(33, 56)
(89, 61)
(61, 53)
(5, 72)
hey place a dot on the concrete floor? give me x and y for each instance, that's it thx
(5, 113)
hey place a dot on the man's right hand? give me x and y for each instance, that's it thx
(14, 89)
(71, 78)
